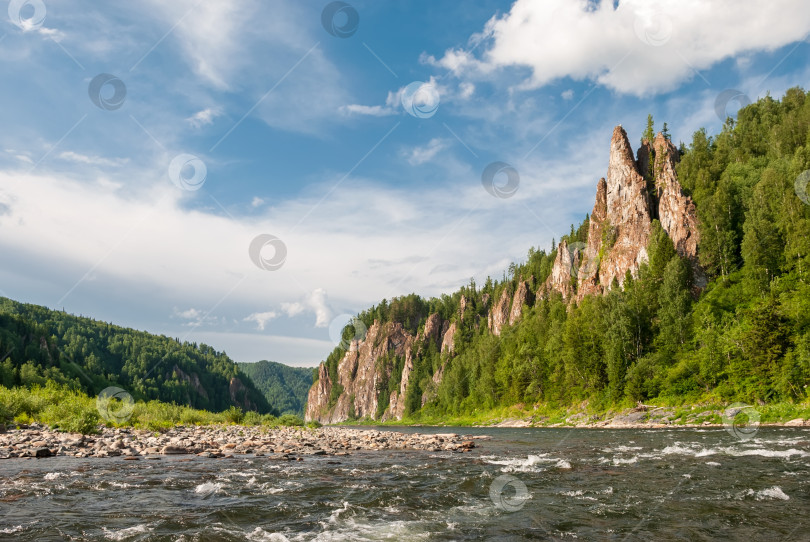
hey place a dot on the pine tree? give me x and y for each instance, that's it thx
(649, 132)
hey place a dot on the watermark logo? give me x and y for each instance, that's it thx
(741, 421)
(494, 183)
(726, 97)
(420, 99)
(260, 244)
(187, 172)
(653, 26)
(801, 186)
(27, 14)
(508, 493)
(100, 89)
(338, 326)
(340, 19)
(115, 405)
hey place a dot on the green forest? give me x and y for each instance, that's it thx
(38, 345)
(284, 387)
(745, 337)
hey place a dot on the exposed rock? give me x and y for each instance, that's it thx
(433, 327)
(676, 211)
(563, 272)
(448, 339)
(462, 307)
(628, 213)
(795, 423)
(499, 315)
(358, 375)
(588, 280)
(523, 297)
(42, 452)
(619, 227)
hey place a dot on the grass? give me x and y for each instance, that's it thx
(64, 409)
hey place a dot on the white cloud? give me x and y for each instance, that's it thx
(426, 153)
(204, 117)
(638, 47)
(194, 317)
(261, 318)
(78, 158)
(315, 302)
(369, 110)
(567, 94)
(466, 89)
(256, 202)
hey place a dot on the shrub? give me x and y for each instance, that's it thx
(291, 420)
(252, 418)
(234, 415)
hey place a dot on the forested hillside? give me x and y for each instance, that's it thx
(39, 344)
(284, 387)
(729, 322)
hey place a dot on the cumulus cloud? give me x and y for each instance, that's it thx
(261, 318)
(316, 302)
(636, 47)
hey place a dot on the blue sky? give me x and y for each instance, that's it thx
(361, 152)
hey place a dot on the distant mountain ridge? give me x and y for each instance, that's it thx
(283, 386)
(37, 343)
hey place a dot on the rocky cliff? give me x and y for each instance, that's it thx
(619, 227)
(634, 192)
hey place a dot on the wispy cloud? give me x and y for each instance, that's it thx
(204, 117)
(422, 154)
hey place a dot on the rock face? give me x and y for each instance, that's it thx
(523, 297)
(358, 376)
(676, 211)
(448, 344)
(499, 315)
(619, 227)
(628, 213)
(564, 271)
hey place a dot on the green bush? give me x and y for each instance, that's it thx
(234, 415)
(252, 418)
(291, 421)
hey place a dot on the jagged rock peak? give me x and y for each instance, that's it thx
(621, 152)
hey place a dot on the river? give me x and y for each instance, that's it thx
(522, 484)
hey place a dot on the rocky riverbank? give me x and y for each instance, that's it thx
(653, 418)
(220, 442)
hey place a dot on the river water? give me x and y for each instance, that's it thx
(523, 484)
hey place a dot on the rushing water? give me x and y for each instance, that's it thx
(523, 484)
